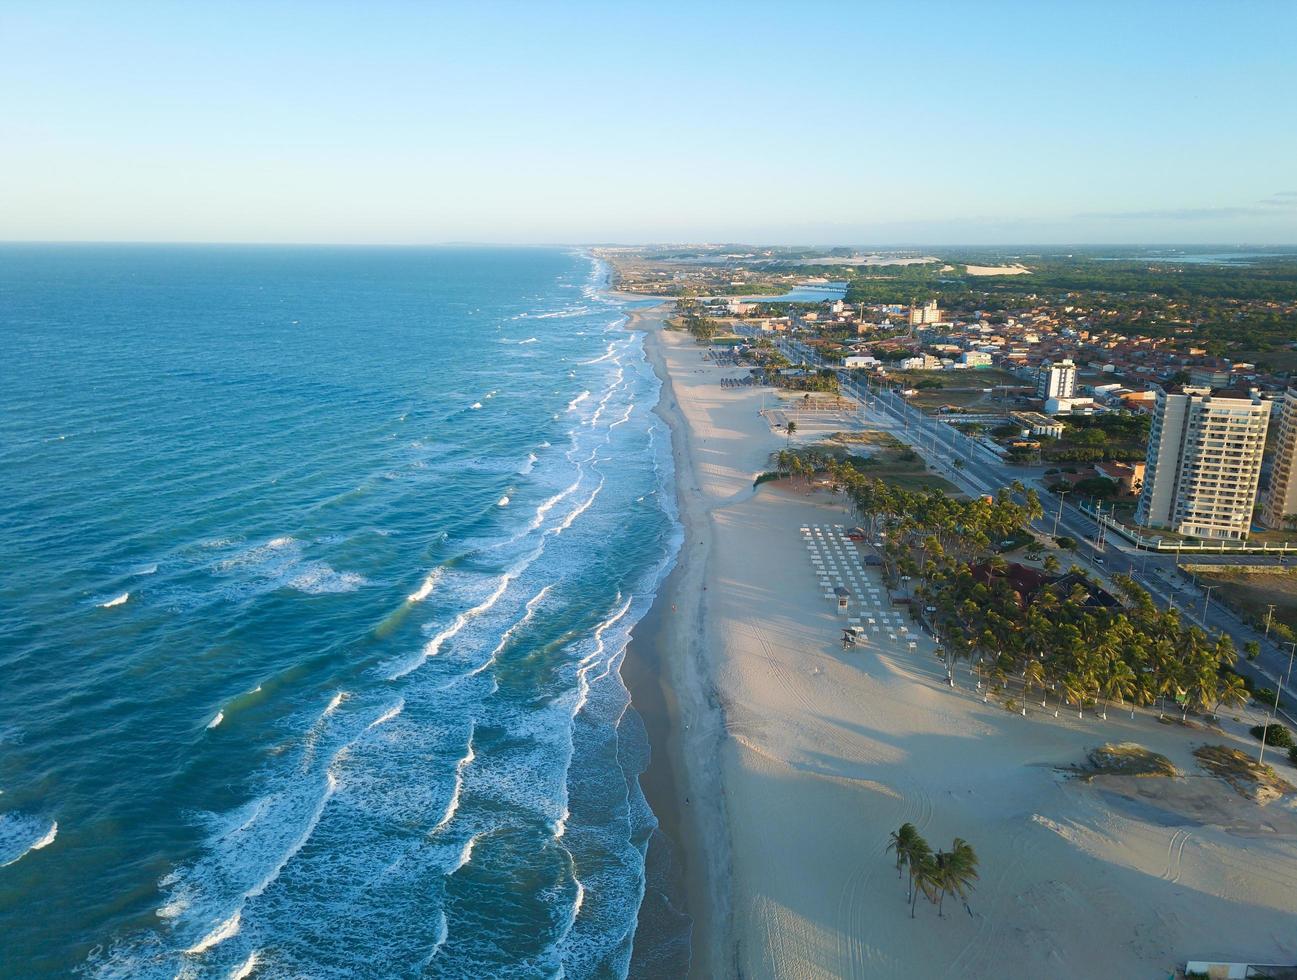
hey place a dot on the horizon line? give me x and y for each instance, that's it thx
(661, 243)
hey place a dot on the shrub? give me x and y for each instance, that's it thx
(1275, 734)
(1292, 754)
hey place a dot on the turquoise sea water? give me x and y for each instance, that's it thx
(317, 566)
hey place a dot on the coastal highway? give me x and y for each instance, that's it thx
(981, 471)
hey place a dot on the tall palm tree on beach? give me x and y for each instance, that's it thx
(1118, 683)
(904, 842)
(956, 871)
(924, 874)
(1033, 675)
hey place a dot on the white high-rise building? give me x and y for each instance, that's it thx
(929, 312)
(1204, 463)
(1281, 498)
(1056, 380)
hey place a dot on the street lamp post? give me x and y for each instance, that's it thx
(1206, 599)
(1059, 516)
(1269, 614)
(1292, 648)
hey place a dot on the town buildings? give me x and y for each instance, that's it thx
(1281, 497)
(927, 313)
(1057, 380)
(1204, 462)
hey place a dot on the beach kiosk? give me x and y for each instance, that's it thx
(844, 598)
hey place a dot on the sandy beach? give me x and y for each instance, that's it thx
(781, 763)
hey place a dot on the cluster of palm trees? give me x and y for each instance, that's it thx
(932, 875)
(804, 462)
(1084, 654)
(1057, 640)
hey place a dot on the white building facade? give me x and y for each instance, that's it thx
(1056, 381)
(1281, 498)
(1204, 463)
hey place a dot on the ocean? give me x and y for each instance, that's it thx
(317, 568)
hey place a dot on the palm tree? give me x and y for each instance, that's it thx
(1050, 564)
(1076, 687)
(1033, 674)
(902, 841)
(792, 428)
(956, 871)
(924, 875)
(1119, 683)
(1232, 693)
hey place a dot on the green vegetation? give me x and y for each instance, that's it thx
(1252, 593)
(891, 461)
(933, 875)
(1249, 778)
(1093, 439)
(1128, 759)
(1274, 734)
(1063, 636)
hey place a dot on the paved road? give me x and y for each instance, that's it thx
(980, 470)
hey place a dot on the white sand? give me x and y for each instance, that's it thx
(998, 270)
(799, 758)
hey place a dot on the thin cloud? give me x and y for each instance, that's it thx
(1279, 200)
(1175, 214)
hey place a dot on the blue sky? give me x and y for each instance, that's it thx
(810, 123)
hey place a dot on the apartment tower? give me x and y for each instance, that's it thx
(1281, 498)
(1204, 462)
(1056, 380)
(928, 313)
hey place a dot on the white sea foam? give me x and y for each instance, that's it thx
(172, 909)
(593, 659)
(49, 837)
(529, 611)
(529, 340)
(563, 314)
(465, 854)
(224, 931)
(217, 719)
(458, 789)
(604, 357)
(20, 835)
(388, 715)
(425, 590)
(330, 787)
(503, 501)
(332, 706)
(539, 517)
(433, 646)
(119, 600)
(475, 405)
(145, 569)
(278, 564)
(244, 970)
(571, 406)
(317, 578)
(581, 509)
(443, 932)
(529, 465)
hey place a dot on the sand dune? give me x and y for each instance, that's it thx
(998, 270)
